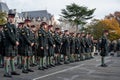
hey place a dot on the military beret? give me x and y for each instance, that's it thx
(21, 23)
(66, 31)
(57, 29)
(33, 26)
(105, 31)
(27, 20)
(43, 23)
(71, 33)
(61, 32)
(11, 13)
(50, 26)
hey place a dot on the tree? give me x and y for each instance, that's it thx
(3, 17)
(115, 15)
(97, 27)
(77, 15)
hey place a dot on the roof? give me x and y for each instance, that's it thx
(3, 7)
(36, 14)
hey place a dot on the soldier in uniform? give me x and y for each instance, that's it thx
(72, 47)
(104, 48)
(57, 48)
(83, 46)
(19, 57)
(11, 43)
(92, 48)
(77, 46)
(34, 47)
(88, 45)
(65, 49)
(42, 46)
(51, 45)
(87, 48)
(2, 39)
(118, 48)
(26, 44)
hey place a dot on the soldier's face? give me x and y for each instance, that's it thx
(74, 34)
(51, 29)
(45, 26)
(107, 33)
(67, 33)
(11, 19)
(29, 23)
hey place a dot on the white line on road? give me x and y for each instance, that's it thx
(58, 72)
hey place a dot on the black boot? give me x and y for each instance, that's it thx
(7, 75)
(41, 68)
(45, 67)
(25, 71)
(14, 73)
(30, 70)
(103, 65)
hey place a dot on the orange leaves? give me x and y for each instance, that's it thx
(111, 24)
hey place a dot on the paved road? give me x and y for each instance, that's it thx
(84, 70)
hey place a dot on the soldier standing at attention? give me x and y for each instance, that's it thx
(65, 49)
(83, 46)
(77, 46)
(26, 46)
(34, 47)
(19, 57)
(51, 45)
(42, 46)
(57, 48)
(2, 39)
(72, 47)
(11, 42)
(104, 47)
(118, 48)
(87, 48)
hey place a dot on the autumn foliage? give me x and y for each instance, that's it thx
(97, 27)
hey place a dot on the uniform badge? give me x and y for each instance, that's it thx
(40, 34)
(11, 30)
(23, 33)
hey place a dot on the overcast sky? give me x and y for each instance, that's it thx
(103, 7)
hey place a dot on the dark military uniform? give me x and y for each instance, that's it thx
(72, 45)
(83, 46)
(50, 44)
(57, 43)
(20, 41)
(77, 45)
(82, 40)
(10, 40)
(104, 46)
(42, 42)
(2, 50)
(34, 40)
(25, 42)
(65, 49)
(77, 48)
(87, 43)
(118, 48)
(104, 49)
(2, 39)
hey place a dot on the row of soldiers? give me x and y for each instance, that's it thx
(41, 46)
